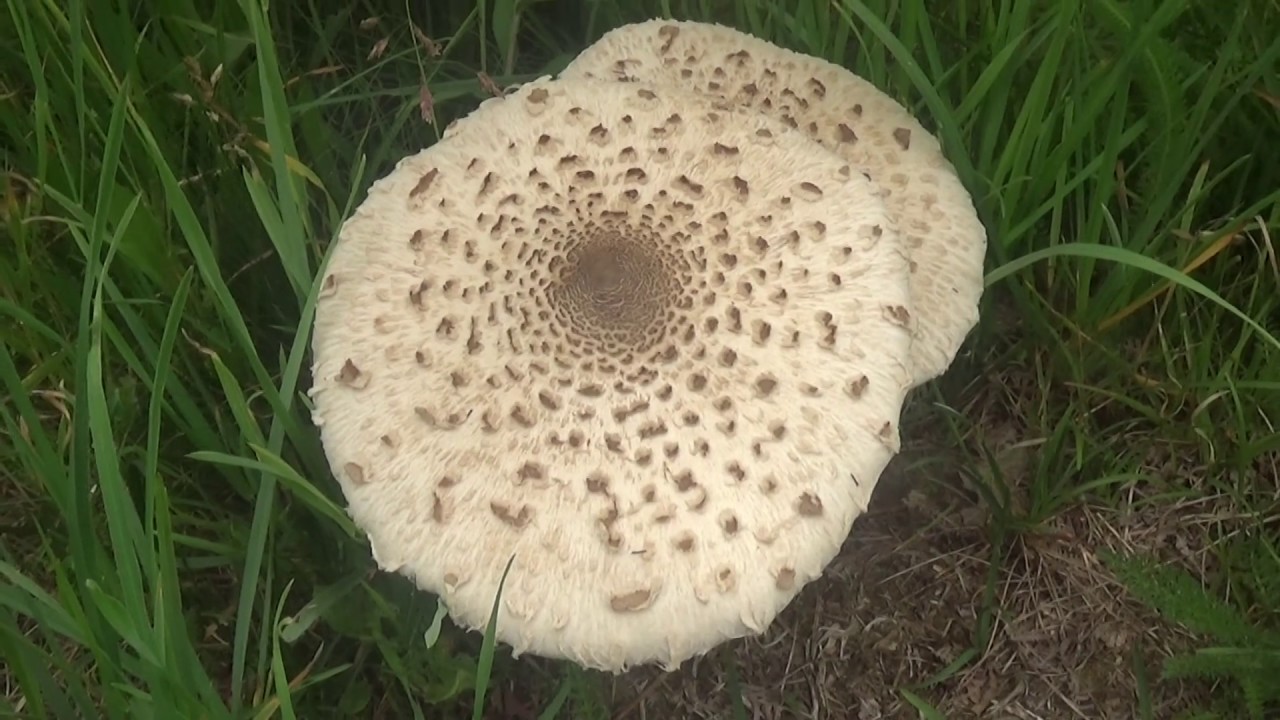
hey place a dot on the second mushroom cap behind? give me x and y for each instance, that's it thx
(941, 232)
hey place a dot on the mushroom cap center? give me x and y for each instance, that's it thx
(612, 273)
(603, 269)
(617, 289)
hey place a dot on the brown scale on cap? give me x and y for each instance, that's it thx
(583, 330)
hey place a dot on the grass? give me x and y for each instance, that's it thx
(173, 543)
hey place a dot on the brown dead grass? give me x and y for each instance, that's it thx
(905, 597)
(903, 600)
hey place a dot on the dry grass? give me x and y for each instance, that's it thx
(903, 600)
(905, 597)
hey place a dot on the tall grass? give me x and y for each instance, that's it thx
(173, 543)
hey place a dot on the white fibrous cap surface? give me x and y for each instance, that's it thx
(652, 347)
(944, 238)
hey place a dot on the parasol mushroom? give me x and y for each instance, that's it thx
(651, 346)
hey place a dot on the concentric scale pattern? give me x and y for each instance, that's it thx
(651, 347)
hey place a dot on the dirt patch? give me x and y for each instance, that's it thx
(904, 600)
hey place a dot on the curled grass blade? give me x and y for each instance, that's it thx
(1132, 259)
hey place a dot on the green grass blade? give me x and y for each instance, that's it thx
(484, 663)
(1132, 259)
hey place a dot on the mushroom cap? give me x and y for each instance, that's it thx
(651, 346)
(945, 240)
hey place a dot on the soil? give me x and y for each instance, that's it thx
(904, 600)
